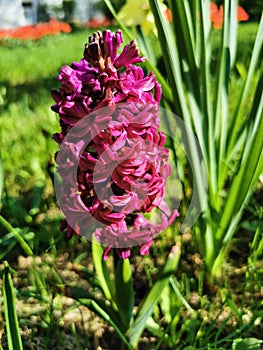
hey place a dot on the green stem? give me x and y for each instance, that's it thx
(6, 224)
(107, 318)
(9, 228)
(11, 319)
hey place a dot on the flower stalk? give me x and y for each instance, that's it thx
(15, 232)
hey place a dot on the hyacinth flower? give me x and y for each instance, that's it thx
(114, 167)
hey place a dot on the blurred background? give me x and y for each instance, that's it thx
(25, 12)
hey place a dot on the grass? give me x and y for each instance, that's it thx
(40, 60)
(227, 316)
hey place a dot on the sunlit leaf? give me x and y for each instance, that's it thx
(124, 290)
(11, 320)
(100, 310)
(102, 270)
(249, 344)
(147, 305)
(1, 175)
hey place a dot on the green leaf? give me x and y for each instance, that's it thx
(8, 248)
(237, 124)
(227, 55)
(37, 193)
(170, 57)
(165, 303)
(84, 297)
(154, 327)
(145, 45)
(87, 274)
(100, 310)
(124, 291)
(175, 287)
(241, 70)
(206, 119)
(242, 183)
(40, 284)
(172, 62)
(1, 175)
(17, 233)
(102, 270)
(76, 336)
(185, 41)
(249, 344)
(152, 298)
(230, 303)
(11, 320)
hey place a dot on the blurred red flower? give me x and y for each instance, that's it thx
(37, 31)
(95, 23)
(217, 15)
(242, 15)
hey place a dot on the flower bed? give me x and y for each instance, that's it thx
(37, 31)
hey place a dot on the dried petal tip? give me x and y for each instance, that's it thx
(102, 48)
(94, 51)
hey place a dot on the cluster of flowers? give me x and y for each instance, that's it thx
(217, 15)
(37, 31)
(111, 108)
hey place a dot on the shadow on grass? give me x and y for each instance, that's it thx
(35, 92)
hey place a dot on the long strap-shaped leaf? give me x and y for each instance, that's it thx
(243, 181)
(185, 39)
(171, 60)
(124, 291)
(228, 47)
(94, 306)
(81, 295)
(16, 234)
(147, 305)
(1, 173)
(184, 27)
(240, 189)
(12, 327)
(207, 121)
(102, 271)
(180, 103)
(255, 115)
(237, 125)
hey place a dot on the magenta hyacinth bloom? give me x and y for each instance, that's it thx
(114, 167)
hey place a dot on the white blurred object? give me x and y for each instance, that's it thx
(12, 14)
(17, 13)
